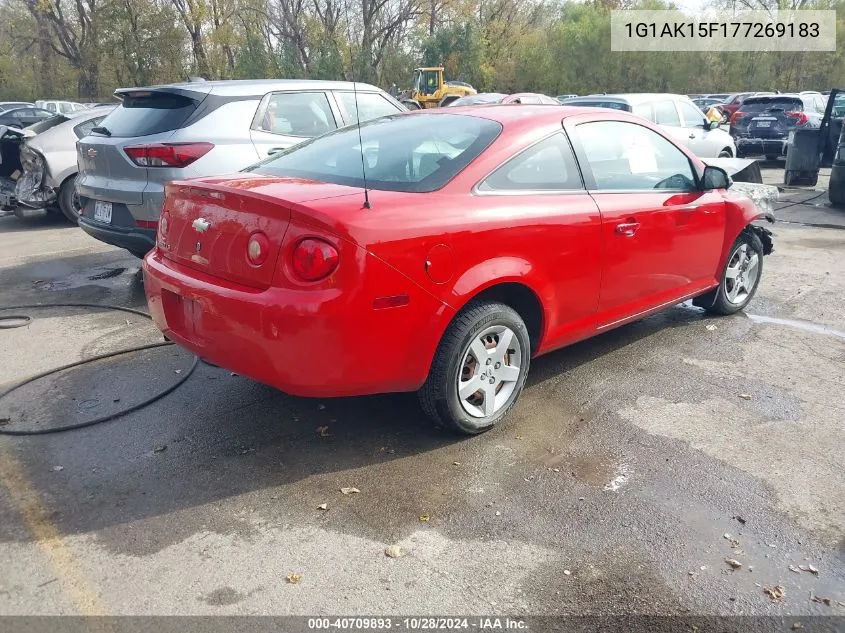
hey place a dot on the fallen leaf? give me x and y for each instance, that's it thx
(350, 491)
(734, 563)
(809, 568)
(323, 506)
(824, 601)
(58, 469)
(775, 593)
(796, 626)
(739, 518)
(160, 448)
(745, 396)
(727, 536)
(711, 327)
(456, 463)
(566, 572)
(693, 574)
(424, 518)
(517, 437)
(394, 551)
(703, 567)
(323, 431)
(294, 579)
(177, 371)
(498, 514)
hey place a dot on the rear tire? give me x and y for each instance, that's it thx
(69, 202)
(740, 278)
(486, 345)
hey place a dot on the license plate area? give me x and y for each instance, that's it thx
(102, 211)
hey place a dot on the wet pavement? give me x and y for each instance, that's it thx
(634, 465)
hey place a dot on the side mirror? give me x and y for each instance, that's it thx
(713, 125)
(715, 178)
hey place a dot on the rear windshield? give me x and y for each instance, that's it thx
(758, 104)
(412, 153)
(149, 113)
(46, 124)
(613, 105)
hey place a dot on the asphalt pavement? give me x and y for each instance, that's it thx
(635, 465)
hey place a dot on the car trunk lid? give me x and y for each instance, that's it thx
(775, 118)
(209, 222)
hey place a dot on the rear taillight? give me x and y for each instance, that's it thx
(257, 248)
(314, 259)
(736, 115)
(800, 117)
(167, 154)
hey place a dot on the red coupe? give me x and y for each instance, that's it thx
(481, 237)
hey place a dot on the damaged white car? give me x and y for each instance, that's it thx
(38, 164)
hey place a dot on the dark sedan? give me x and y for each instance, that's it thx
(23, 117)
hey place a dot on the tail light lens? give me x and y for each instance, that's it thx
(167, 154)
(800, 117)
(257, 249)
(314, 259)
(736, 116)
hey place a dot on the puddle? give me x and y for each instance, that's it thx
(806, 326)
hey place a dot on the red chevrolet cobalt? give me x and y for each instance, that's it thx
(479, 239)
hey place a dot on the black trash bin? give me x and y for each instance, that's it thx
(836, 188)
(803, 159)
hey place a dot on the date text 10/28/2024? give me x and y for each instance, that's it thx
(417, 624)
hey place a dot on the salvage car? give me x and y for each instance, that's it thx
(676, 114)
(48, 162)
(762, 125)
(467, 242)
(162, 133)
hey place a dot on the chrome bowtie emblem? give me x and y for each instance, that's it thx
(92, 153)
(201, 225)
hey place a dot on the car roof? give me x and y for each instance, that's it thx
(515, 113)
(251, 87)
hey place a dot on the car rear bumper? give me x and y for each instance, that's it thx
(767, 146)
(305, 342)
(134, 239)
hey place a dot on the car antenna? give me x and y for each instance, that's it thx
(357, 111)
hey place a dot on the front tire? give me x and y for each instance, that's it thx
(479, 369)
(740, 278)
(725, 153)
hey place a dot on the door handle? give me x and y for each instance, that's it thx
(274, 150)
(628, 229)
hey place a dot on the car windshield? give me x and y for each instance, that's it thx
(412, 153)
(839, 105)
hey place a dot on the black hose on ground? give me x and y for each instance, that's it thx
(104, 418)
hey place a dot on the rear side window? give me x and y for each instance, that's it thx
(304, 114)
(370, 105)
(417, 153)
(148, 113)
(547, 166)
(666, 114)
(84, 129)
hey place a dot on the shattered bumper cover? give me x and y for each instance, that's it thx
(764, 197)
